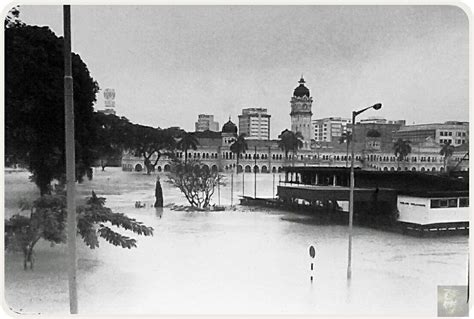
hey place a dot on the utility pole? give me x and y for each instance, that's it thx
(70, 162)
(255, 174)
(243, 182)
(273, 186)
(218, 190)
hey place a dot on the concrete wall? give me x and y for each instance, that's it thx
(413, 209)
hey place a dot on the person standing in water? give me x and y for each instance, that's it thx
(158, 193)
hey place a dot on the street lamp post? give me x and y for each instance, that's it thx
(70, 162)
(352, 182)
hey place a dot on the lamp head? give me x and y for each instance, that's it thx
(377, 106)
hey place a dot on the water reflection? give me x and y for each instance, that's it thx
(159, 212)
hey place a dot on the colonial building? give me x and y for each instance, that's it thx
(301, 104)
(373, 145)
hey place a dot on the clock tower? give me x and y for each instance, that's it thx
(301, 103)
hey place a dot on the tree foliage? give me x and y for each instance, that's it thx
(197, 182)
(446, 151)
(401, 149)
(47, 220)
(113, 136)
(34, 105)
(148, 141)
(186, 142)
(13, 18)
(290, 142)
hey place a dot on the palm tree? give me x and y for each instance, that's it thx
(447, 151)
(401, 149)
(290, 141)
(188, 141)
(346, 137)
(238, 147)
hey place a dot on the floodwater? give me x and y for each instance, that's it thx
(242, 261)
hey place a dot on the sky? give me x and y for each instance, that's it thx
(168, 64)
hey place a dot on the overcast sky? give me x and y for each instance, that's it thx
(168, 64)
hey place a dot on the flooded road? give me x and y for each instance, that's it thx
(234, 262)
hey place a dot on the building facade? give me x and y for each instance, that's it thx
(255, 123)
(452, 132)
(206, 122)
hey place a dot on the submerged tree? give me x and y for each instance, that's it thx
(197, 182)
(48, 219)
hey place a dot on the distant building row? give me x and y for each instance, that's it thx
(373, 143)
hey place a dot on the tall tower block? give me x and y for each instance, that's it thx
(301, 104)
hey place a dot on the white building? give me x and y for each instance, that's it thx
(329, 129)
(109, 102)
(206, 123)
(255, 123)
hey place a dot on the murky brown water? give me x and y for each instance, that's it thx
(234, 262)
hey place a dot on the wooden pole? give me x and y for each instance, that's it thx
(70, 162)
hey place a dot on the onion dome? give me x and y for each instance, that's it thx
(301, 90)
(229, 127)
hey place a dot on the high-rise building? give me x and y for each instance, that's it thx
(109, 102)
(255, 123)
(329, 129)
(206, 122)
(301, 104)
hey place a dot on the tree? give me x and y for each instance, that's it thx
(446, 151)
(290, 141)
(238, 147)
(34, 105)
(149, 141)
(186, 142)
(48, 219)
(195, 181)
(346, 137)
(401, 149)
(13, 18)
(113, 137)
